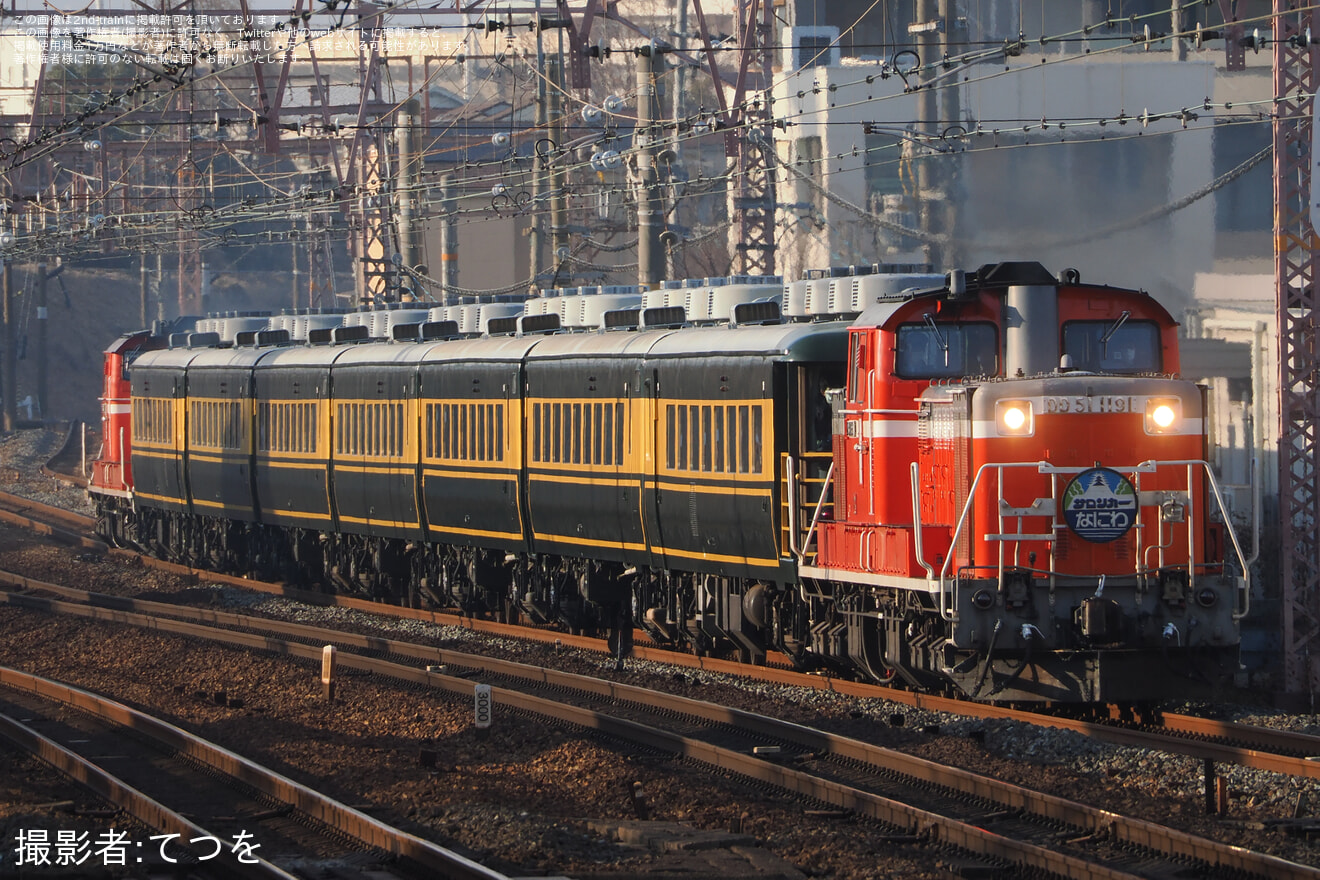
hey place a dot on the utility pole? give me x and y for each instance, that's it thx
(650, 205)
(409, 246)
(43, 359)
(545, 158)
(10, 361)
(157, 279)
(448, 241)
(554, 71)
(678, 112)
(142, 292)
(938, 106)
(536, 233)
(1179, 46)
(295, 289)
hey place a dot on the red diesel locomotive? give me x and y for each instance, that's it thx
(989, 483)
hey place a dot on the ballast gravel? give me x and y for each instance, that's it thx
(520, 805)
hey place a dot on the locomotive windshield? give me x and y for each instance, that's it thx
(1100, 346)
(932, 350)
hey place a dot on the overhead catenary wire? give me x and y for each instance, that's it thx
(210, 224)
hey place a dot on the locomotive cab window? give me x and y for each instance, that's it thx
(932, 350)
(1115, 346)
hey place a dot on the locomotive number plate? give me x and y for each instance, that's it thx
(1105, 403)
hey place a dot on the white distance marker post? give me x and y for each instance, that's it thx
(482, 708)
(328, 672)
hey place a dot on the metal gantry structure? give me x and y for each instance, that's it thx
(1295, 262)
(355, 162)
(746, 116)
(360, 155)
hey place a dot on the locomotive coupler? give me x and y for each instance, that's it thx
(1016, 586)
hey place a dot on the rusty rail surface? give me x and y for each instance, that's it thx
(341, 817)
(115, 791)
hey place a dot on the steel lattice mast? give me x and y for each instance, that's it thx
(1295, 251)
(746, 117)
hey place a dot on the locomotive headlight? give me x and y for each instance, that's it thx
(1162, 415)
(1014, 417)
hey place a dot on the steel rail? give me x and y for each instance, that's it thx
(112, 789)
(339, 816)
(1298, 744)
(1167, 841)
(922, 822)
(18, 506)
(1304, 744)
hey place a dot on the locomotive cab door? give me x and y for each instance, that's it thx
(854, 447)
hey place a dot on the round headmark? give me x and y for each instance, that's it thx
(1100, 505)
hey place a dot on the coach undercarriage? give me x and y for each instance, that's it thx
(886, 635)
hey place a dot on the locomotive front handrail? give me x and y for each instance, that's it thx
(947, 599)
(946, 612)
(1245, 589)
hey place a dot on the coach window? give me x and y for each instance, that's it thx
(670, 440)
(618, 433)
(744, 435)
(706, 439)
(934, 350)
(756, 439)
(732, 413)
(575, 432)
(682, 438)
(590, 429)
(694, 448)
(607, 429)
(717, 438)
(1116, 346)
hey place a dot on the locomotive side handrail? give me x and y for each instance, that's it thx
(815, 516)
(914, 469)
(794, 506)
(946, 598)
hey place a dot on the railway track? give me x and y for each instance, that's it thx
(1220, 742)
(250, 820)
(984, 817)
